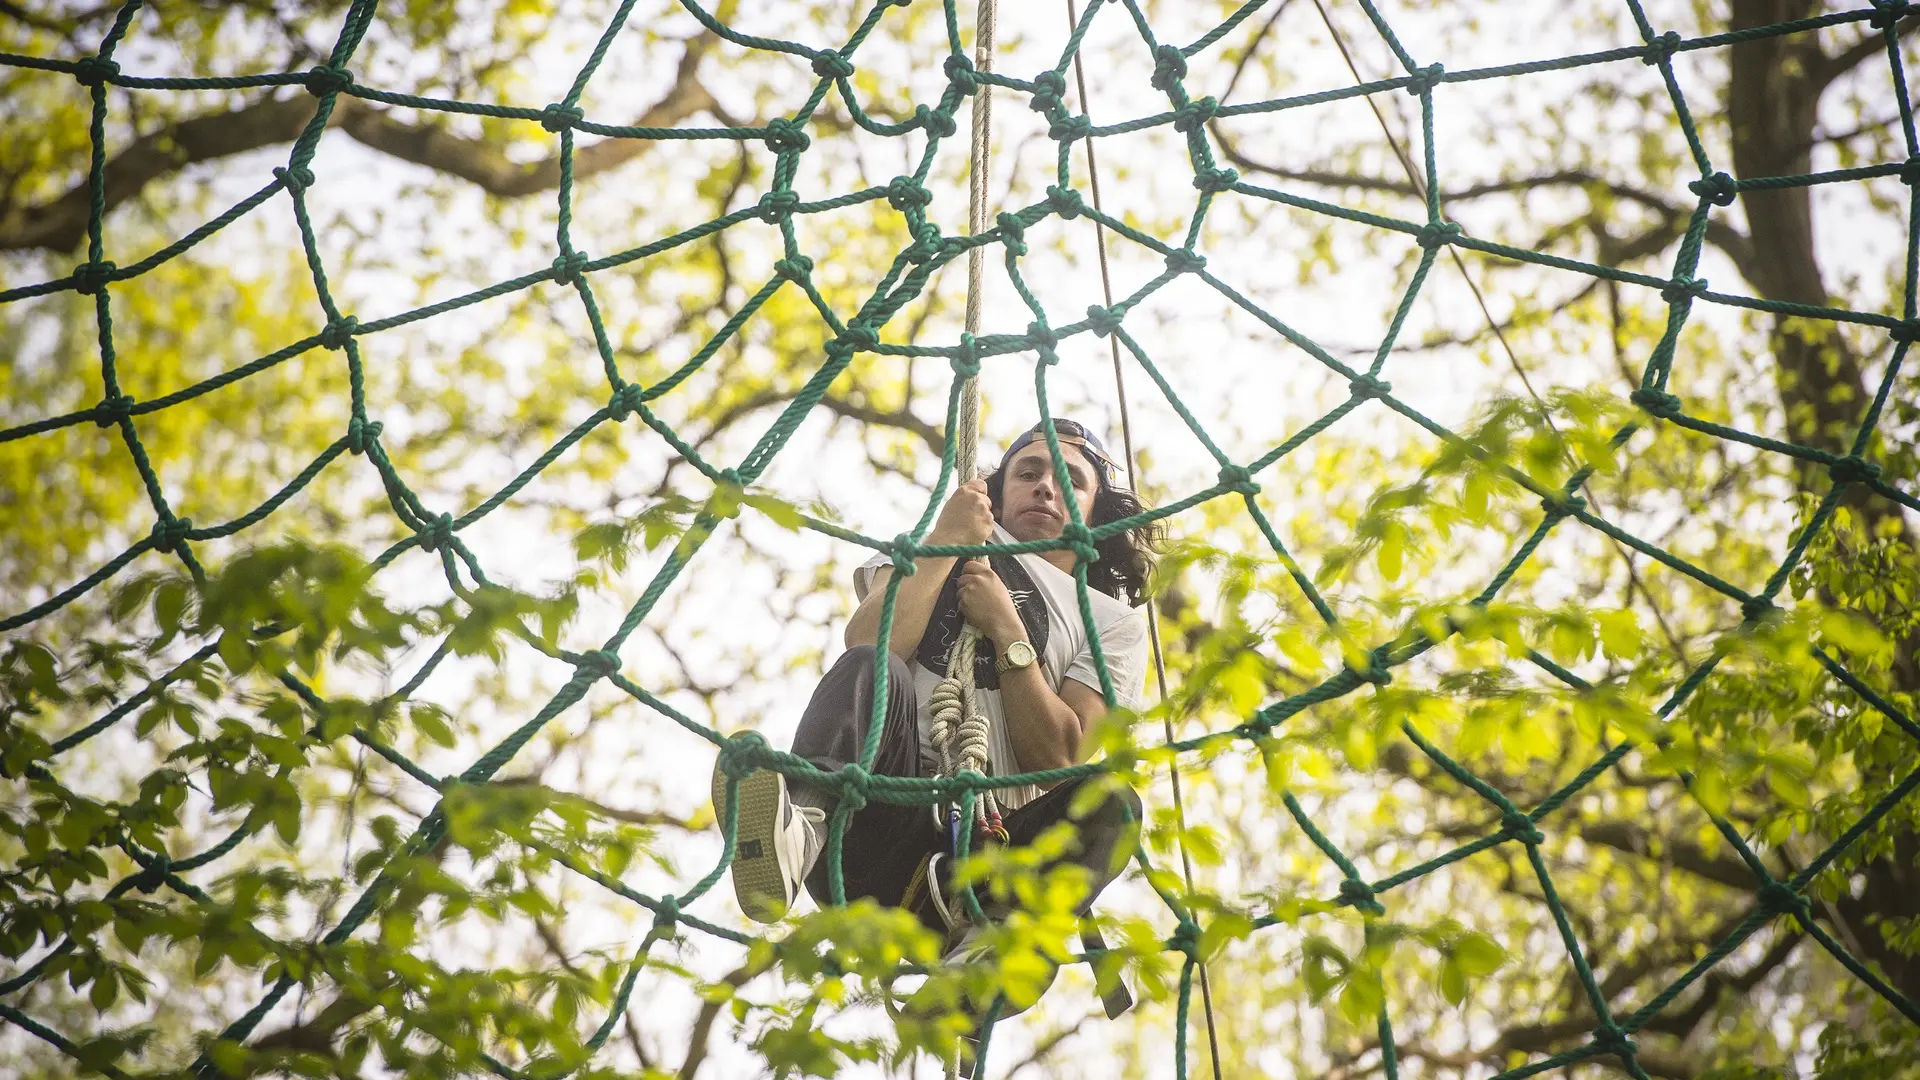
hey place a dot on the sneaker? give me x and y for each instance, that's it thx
(775, 846)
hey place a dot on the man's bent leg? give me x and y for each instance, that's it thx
(885, 843)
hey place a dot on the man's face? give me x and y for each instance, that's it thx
(1032, 506)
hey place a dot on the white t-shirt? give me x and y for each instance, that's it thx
(1049, 604)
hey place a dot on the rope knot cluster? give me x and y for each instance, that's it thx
(1195, 114)
(1013, 232)
(1079, 540)
(1656, 402)
(666, 916)
(1169, 67)
(902, 552)
(296, 179)
(1684, 290)
(94, 70)
(783, 136)
(596, 664)
(557, 118)
(113, 409)
(361, 434)
(1888, 12)
(338, 332)
(1717, 188)
(154, 873)
(1359, 895)
(1048, 88)
(1237, 478)
(1069, 128)
(961, 75)
(775, 205)
(1105, 320)
(933, 121)
(1065, 201)
(741, 754)
(1560, 504)
(1756, 609)
(1910, 171)
(1438, 234)
(927, 245)
(1186, 939)
(1214, 181)
(1374, 672)
(1908, 331)
(1369, 386)
(965, 360)
(1660, 49)
(1515, 825)
(794, 268)
(1611, 1039)
(1853, 469)
(323, 79)
(856, 784)
(1778, 898)
(1422, 80)
(170, 533)
(857, 337)
(906, 193)
(1181, 260)
(91, 277)
(1041, 336)
(436, 532)
(831, 65)
(570, 268)
(625, 401)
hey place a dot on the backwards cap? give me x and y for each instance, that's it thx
(1069, 433)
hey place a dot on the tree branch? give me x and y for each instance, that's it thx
(1827, 69)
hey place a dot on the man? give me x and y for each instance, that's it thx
(1039, 690)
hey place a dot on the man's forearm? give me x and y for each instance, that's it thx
(912, 608)
(1044, 730)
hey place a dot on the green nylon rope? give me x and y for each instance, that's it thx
(437, 532)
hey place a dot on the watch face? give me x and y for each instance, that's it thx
(943, 626)
(1019, 654)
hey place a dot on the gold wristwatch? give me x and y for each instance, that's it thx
(1016, 655)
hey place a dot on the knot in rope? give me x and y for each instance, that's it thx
(966, 357)
(1683, 290)
(1368, 386)
(596, 664)
(1169, 67)
(1186, 939)
(666, 916)
(1079, 540)
(1237, 478)
(1611, 1039)
(1422, 80)
(961, 75)
(1853, 469)
(1181, 260)
(1717, 188)
(569, 268)
(1013, 232)
(1515, 825)
(557, 118)
(1194, 114)
(1656, 402)
(1358, 895)
(361, 434)
(1888, 12)
(1214, 181)
(1105, 320)
(1561, 504)
(855, 784)
(902, 552)
(436, 532)
(113, 409)
(296, 179)
(740, 755)
(794, 268)
(775, 205)
(1778, 898)
(1069, 128)
(1660, 48)
(94, 70)
(934, 122)
(784, 135)
(1065, 201)
(338, 332)
(1374, 672)
(1755, 609)
(1041, 336)
(905, 193)
(91, 277)
(831, 65)
(1437, 234)
(1910, 171)
(154, 873)
(170, 533)
(1048, 87)
(626, 399)
(857, 337)
(1908, 331)
(324, 79)
(927, 243)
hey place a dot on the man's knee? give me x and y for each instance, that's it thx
(859, 661)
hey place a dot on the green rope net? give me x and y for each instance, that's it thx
(859, 332)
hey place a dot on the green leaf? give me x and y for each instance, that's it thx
(1477, 954)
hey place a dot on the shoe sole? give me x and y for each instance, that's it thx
(759, 883)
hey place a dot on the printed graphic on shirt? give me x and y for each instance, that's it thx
(943, 626)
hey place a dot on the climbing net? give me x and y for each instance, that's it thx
(788, 139)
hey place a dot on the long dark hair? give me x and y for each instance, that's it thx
(1126, 558)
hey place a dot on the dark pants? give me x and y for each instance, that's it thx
(886, 844)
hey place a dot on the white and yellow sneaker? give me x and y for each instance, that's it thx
(775, 845)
